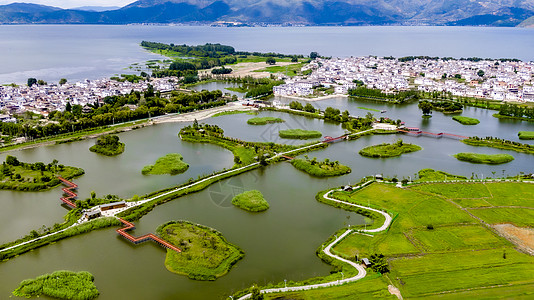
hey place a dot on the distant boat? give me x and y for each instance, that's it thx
(383, 111)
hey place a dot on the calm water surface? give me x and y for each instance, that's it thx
(76, 52)
(279, 244)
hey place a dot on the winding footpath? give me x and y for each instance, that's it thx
(327, 250)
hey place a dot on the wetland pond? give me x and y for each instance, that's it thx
(279, 243)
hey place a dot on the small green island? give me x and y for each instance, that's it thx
(324, 168)
(206, 254)
(61, 285)
(466, 120)
(299, 134)
(389, 150)
(171, 164)
(479, 158)
(21, 176)
(264, 120)
(108, 145)
(252, 201)
(526, 135)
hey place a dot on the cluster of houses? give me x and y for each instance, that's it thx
(489, 79)
(42, 99)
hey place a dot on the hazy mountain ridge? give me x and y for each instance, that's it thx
(306, 12)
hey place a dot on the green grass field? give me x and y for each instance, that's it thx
(320, 169)
(264, 120)
(479, 158)
(171, 164)
(251, 201)
(517, 216)
(389, 150)
(457, 256)
(300, 134)
(289, 70)
(453, 238)
(206, 255)
(526, 135)
(466, 120)
(373, 288)
(60, 284)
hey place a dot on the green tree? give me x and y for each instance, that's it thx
(294, 59)
(12, 161)
(62, 81)
(309, 108)
(256, 294)
(314, 55)
(426, 107)
(68, 107)
(379, 263)
(270, 60)
(41, 82)
(480, 73)
(32, 81)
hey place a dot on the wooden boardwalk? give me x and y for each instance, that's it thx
(143, 238)
(69, 191)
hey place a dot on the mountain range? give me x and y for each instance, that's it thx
(294, 12)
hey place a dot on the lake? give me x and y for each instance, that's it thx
(77, 52)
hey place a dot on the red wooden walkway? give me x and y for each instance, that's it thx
(329, 139)
(143, 238)
(68, 190)
(437, 135)
(287, 157)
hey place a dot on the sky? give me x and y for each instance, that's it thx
(73, 3)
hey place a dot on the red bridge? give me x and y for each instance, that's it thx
(68, 190)
(418, 132)
(287, 157)
(143, 238)
(329, 139)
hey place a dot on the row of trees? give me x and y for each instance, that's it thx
(514, 110)
(113, 111)
(398, 97)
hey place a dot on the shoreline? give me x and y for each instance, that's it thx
(173, 118)
(315, 99)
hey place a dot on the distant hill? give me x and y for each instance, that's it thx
(304, 12)
(96, 8)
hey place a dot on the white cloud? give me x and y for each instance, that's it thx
(73, 3)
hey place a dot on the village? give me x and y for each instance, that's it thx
(42, 99)
(502, 80)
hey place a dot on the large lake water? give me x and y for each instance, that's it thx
(279, 243)
(76, 52)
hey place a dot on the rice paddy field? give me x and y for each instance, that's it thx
(442, 243)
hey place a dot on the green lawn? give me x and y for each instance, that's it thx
(264, 120)
(389, 150)
(452, 238)
(299, 134)
(436, 175)
(289, 70)
(455, 191)
(251, 201)
(517, 216)
(511, 193)
(466, 120)
(206, 255)
(171, 164)
(320, 169)
(526, 135)
(373, 288)
(458, 253)
(435, 273)
(479, 158)
(60, 284)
